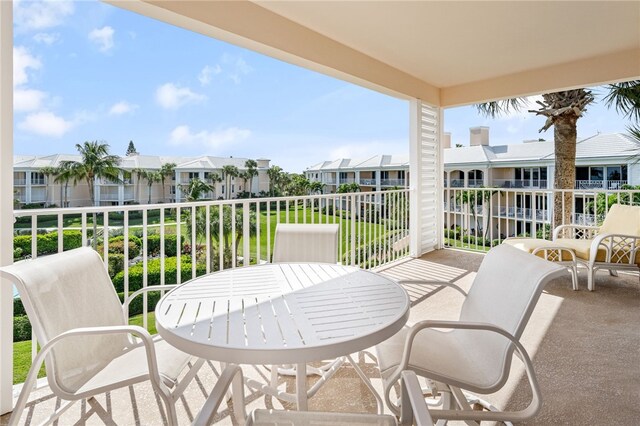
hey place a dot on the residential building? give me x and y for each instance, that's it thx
(603, 162)
(32, 186)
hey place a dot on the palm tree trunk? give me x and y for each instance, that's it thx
(564, 133)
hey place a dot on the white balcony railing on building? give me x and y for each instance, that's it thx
(19, 182)
(519, 183)
(368, 182)
(600, 184)
(474, 183)
(392, 182)
(347, 180)
(36, 181)
(213, 235)
(481, 218)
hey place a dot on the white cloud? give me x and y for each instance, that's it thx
(22, 61)
(102, 37)
(46, 38)
(205, 75)
(182, 135)
(170, 96)
(28, 99)
(46, 124)
(39, 15)
(236, 67)
(122, 107)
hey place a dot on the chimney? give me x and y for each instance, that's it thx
(446, 140)
(479, 136)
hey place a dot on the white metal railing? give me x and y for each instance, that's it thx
(478, 218)
(519, 183)
(600, 184)
(473, 183)
(19, 181)
(392, 182)
(213, 235)
(367, 181)
(38, 181)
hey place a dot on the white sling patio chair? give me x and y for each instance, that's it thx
(474, 354)
(86, 342)
(306, 243)
(614, 245)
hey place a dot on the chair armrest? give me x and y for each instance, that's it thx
(232, 373)
(627, 245)
(413, 406)
(527, 413)
(438, 283)
(556, 232)
(128, 299)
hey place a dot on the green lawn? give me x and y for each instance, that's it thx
(465, 246)
(22, 350)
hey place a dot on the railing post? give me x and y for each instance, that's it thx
(6, 204)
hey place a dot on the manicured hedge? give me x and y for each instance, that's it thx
(153, 273)
(116, 245)
(135, 307)
(47, 243)
(170, 240)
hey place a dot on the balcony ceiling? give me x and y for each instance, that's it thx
(446, 53)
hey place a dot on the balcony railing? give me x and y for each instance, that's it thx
(519, 183)
(19, 182)
(368, 182)
(600, 184)
(392, 182)
(215, 235)
(36, 181)
(478, 219)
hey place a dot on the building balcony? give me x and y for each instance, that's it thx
(19, 182)
(519, 183)
(367, 182)
(600, 184)
(392, 182)
(35, 181)
(554, 319)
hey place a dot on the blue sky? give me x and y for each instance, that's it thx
(90, 71)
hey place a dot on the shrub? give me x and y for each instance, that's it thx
(136, 273)
(17, 253)
(18, 307)
(116, 264)
(170, 241)
(21, 328)
(135, 307)
(48, 243)
(116, 245)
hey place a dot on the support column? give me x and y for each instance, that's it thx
(6, 203)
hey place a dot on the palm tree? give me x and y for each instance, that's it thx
(64, 173)
(563, 109)
(96, 162)
(316, 187)
(251, 172)
(229, 172)
(274, 173)
(151, 176)
(212, 179)
(166, 170)
(139, 174)
(48, 172)
(194, 190)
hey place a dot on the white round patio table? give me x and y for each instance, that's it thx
(282, 313)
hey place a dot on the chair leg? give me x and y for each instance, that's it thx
(170, 409)
(613, 272)
(574, 276)
(591, 277)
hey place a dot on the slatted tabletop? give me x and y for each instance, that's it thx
(282, 313)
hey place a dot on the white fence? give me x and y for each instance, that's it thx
(172, 243)
(478, 218)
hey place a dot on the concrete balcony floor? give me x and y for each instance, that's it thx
(585, 347)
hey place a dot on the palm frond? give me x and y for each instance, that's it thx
(625, 97)
(497, 108)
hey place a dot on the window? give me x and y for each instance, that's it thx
(233, 188)
(401, 174)
(596, 173)
(623, 170)
(37, 178)
(582, 173)
(384, 174)
(343, 175)
(373, 174)
(614, 173)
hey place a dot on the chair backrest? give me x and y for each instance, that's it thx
(306, 243)
(506, 289)
(65, 291)
(622, 219)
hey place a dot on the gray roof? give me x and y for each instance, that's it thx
(132, 162)
(598, 146)
(378, 161)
